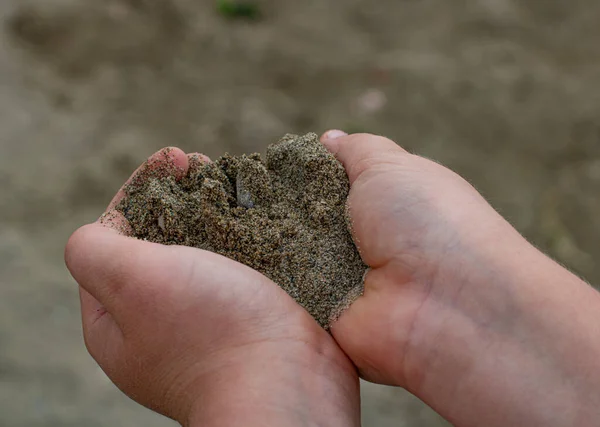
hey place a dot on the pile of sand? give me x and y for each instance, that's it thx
(285, 217)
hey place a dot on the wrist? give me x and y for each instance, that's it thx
(512, 341)
(262, 386)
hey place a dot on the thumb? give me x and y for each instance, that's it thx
(124, 275)
(359, 152)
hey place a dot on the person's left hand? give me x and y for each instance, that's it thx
(201, 338)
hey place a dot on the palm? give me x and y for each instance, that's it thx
(182, 314)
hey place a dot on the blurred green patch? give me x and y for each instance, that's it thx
(233, 9)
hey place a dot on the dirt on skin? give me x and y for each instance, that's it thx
(284, 216)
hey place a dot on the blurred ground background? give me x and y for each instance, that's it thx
(507, 92)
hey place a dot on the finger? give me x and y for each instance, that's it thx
(196, 161)
(97, 256)
(333, 134)
(166, 162)
(122, 273)
(358, 152)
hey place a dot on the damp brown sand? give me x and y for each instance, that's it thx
(284, 216)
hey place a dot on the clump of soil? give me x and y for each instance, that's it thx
(285, 217)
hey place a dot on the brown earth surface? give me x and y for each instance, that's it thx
(506, 92)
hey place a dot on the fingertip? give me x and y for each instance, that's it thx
(332, 135)
(93, 255)
(332, 140)
(168, 161)
(198, 158)
(357, 151)
(165, 162)
(196, 161)
(75, 247)
(179, 160)
(85, 240)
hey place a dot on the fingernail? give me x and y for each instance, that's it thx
(334, 134)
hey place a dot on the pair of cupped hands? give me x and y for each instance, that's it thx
(210, 342)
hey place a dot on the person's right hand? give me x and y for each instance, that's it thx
(458, 307)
